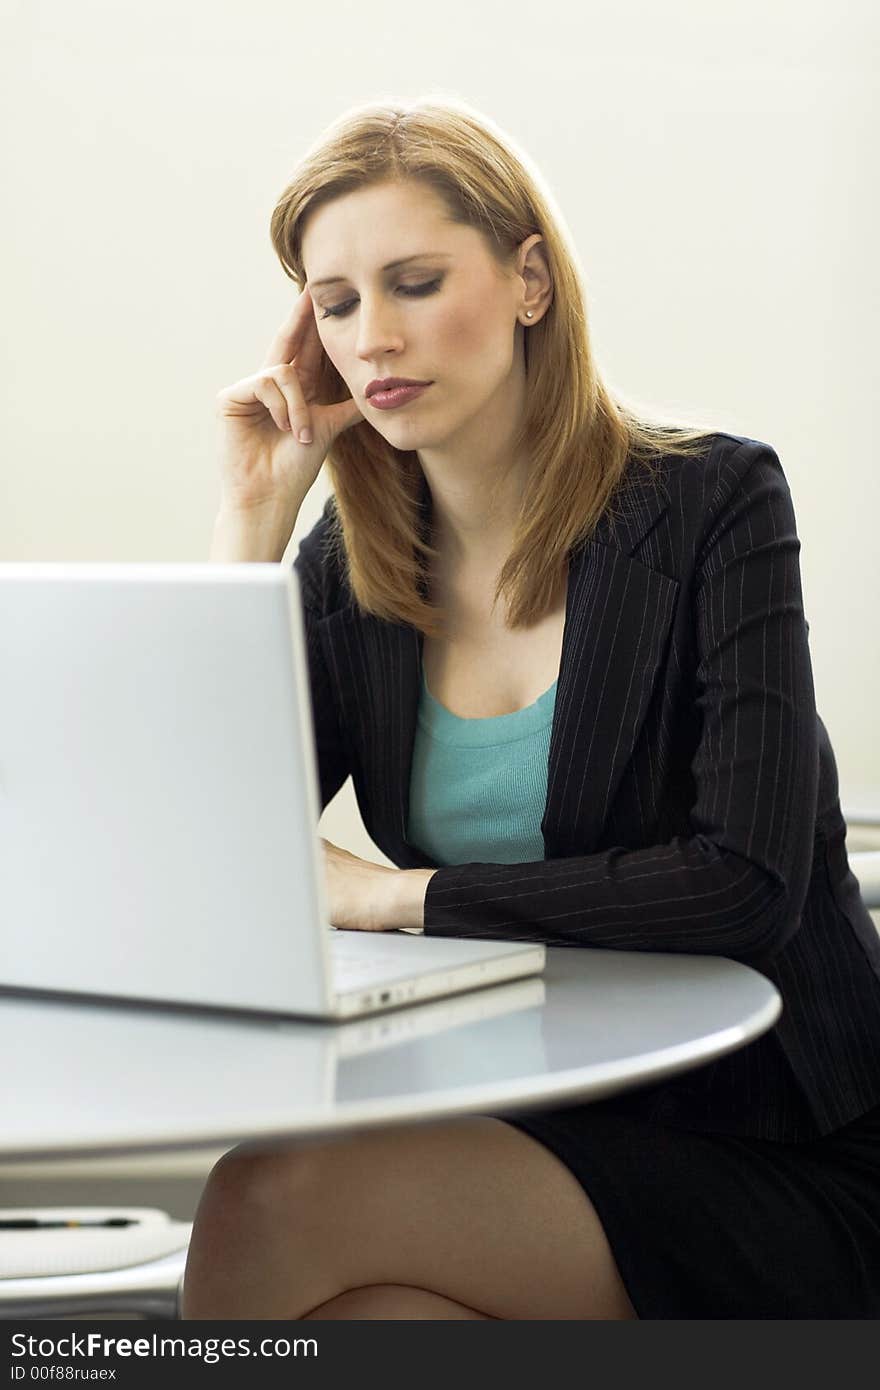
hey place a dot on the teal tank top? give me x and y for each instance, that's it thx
(478, 787)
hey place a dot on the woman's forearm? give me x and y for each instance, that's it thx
(254, 533)
(408, 905)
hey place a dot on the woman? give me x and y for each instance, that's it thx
(562, 651)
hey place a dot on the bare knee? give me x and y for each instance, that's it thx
(235, 1263)
(255, 1186)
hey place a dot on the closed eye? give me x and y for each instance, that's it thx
(419, 291)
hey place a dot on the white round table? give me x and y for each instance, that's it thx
(90, 1078)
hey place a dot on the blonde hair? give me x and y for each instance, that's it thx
(580, 436)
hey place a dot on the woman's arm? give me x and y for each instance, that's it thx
(735, 886)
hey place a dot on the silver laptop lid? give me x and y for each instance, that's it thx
(143, 709)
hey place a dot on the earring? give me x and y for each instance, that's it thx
(528, 313)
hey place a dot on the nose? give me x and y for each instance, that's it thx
(378, 329)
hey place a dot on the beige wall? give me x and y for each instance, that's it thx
(712, 163)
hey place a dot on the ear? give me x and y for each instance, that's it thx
(534, 270)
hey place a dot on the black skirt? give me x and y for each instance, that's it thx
(714, 1226)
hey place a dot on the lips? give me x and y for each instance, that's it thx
(397, 396)
(389, 382)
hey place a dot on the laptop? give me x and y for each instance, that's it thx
(159, 803)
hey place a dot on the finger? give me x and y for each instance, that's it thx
(343, 415)
(286, 380)
(309, 348)
(292, 332)
(269, 394)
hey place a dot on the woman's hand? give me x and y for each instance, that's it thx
(372, 897)
(263, 461)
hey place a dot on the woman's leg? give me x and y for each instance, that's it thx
(472, 1209)
(383, 1301)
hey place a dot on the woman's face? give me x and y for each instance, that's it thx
(448, 317)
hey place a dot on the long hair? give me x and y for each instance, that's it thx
(580, 436)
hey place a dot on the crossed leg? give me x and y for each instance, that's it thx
(460, 1218)
(392, 1301)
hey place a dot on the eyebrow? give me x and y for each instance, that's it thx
(392, 265)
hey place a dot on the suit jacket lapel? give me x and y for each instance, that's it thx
(376, 670)
(618, 615)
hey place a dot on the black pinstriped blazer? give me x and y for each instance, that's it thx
(692, 794)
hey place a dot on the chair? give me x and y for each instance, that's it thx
(863, 851)
(60, 1262)
(865, 864)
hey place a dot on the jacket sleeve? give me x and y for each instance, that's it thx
(736, 884)
(330, 748)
